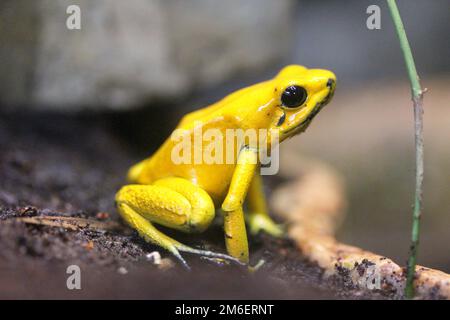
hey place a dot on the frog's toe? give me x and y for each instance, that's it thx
(259, 222)
(275, 230)
(177, 255)
(257, 266)
(210, 254)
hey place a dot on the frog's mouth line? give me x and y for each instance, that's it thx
(319, 105)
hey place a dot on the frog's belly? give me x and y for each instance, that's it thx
(214, 179)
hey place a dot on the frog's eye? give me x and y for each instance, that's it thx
(293, 96)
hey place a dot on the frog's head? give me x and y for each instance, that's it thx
(286, 103)
(299, 94)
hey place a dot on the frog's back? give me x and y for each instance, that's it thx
(214, 178)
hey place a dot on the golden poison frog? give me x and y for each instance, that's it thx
(184, 195)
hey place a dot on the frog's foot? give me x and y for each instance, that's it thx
(208, 254)
(257, 266)
(173, 202)
(262, 222)
(146, 230)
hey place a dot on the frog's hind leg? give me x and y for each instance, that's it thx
(258, 218)
(173, 202)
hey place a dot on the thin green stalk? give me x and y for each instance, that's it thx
(417, 98)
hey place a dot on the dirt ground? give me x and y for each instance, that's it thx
(72, 166)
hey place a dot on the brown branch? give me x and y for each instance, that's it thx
(314, 206)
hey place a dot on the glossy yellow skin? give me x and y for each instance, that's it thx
(185, 196)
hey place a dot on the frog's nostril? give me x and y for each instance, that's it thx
(330, 83)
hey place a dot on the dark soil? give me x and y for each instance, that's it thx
(72, 166)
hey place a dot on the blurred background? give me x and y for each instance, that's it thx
(142, 64)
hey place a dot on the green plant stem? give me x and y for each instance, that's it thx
(417, 98)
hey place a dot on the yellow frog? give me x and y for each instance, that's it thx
(184, 196)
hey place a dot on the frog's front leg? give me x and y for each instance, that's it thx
(234, 224)
(173, 202)
(258, 218)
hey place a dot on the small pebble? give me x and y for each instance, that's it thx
(122, 270)
(154, 257)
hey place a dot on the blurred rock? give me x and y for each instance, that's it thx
(128, 54)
